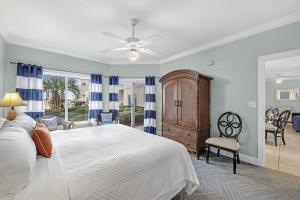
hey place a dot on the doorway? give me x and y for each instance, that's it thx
(131, 101)
(278, 92)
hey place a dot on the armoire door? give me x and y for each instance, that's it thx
(170, 102)
(187, 106)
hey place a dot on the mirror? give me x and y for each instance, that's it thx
(287, 94)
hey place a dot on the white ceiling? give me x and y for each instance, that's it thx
(287, 68)
(74, 27)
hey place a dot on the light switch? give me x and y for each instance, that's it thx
(252, 104)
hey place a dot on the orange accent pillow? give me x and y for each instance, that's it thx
(42, 139)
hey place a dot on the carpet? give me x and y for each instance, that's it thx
(251, 182)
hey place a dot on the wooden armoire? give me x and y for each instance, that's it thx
(186, 108)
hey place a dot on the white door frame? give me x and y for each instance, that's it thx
(261, 98)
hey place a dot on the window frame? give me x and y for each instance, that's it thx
(292, 92)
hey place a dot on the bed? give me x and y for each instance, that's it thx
(111, 162)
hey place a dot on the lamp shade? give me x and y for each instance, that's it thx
(12, 99)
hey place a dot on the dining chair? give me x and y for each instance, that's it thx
(271, 114)
(277, 127)
(229, 126)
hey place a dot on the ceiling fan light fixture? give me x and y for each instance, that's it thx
(278, 81)
(133, 55)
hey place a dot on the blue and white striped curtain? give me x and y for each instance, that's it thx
(150, 108)
(96, 99)
(113, 94)
(30, 86)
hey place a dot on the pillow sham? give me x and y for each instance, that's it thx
(17, 159)
(25, 121)
(12, 123)
(42, 139)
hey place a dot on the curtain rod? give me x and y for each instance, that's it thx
(15, 63)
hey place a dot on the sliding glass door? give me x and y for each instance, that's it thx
(78, 99)
(66, 96)
(54, 95)
(131, 99)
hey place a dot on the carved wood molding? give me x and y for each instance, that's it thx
(184, 73)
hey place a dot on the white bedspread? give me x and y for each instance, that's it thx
(115, 162)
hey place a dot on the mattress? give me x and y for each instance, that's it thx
(114, 162)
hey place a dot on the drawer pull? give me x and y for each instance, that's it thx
(188, 134)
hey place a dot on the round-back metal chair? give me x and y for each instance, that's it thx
(277, 127)
(283, 119)
(280, 123)
(230, 125)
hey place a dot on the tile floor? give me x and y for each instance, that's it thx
(285, 158)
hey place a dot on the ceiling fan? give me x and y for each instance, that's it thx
(133, 44)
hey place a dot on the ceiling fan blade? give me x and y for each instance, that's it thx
(115, 37)
(150, 52)
(115, 49)
(150, 39)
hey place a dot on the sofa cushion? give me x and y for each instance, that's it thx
(50, 122)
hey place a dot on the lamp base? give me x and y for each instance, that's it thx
(11, 115)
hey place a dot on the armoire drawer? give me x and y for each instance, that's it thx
(188, 134)
(189, 143)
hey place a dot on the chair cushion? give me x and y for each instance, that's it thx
(223, 142)
(106, 117)
(270, 127)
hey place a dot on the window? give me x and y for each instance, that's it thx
(66, 95)
(287, 94)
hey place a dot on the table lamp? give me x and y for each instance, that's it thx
(12, 99)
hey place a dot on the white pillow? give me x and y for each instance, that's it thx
(17, 159)
(2, 120)
(25, 121)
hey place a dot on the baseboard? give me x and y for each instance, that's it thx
(243, 157)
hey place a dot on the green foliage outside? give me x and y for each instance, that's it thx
(125, 115)
(55, 87)
(79, 110)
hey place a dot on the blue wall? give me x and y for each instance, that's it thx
(235, 76)
(234, 72)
